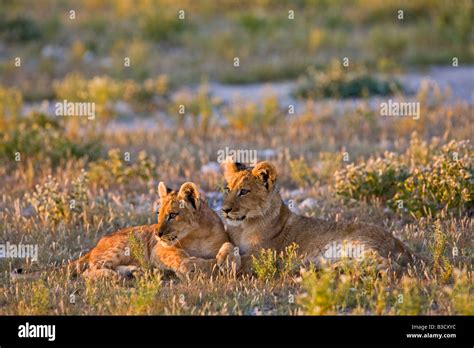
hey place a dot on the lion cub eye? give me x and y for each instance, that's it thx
(243, 192)
(171, 216)
(227, 189)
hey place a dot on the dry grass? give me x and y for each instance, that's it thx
(111, 193)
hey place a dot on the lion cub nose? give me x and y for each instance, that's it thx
(226, 210)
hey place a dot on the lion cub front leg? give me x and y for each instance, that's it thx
(228, 258)
(179, 261)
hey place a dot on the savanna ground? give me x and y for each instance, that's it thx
(67, 181)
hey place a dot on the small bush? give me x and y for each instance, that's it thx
(119, 171)
(36, 302)
(19, 29)
(441, 264)
(318, 297)
(301, 173)
(376, 178)
(144, 294)
(409, 297)
(104, 91)
(462, 292)
(159, 27)
(252, 22)
(51, 203)
(269, 264)
(351, 287)
(48, 201)
(101, 90)
(446, 183)
(41, 137)
(340, 82)
(425, 180)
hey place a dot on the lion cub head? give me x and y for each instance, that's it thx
(248, 191)
(178, 213)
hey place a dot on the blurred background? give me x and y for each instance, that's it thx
(202, 41)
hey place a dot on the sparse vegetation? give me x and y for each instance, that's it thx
(341, 82)
(68, 181)
(425, 180)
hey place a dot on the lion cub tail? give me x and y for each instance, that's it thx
(73, 269)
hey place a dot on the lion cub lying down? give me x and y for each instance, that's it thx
(257, 218)
(188, 237)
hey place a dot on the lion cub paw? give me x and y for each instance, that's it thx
(128, 271)
(228, 258)
(187, 266)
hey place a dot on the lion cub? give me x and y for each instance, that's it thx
(257, 218)
(188, 237)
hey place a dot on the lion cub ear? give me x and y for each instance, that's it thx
(163, 190)
(266, 172)
(230, 167)
(190, 193)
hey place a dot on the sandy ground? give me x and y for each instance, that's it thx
(460, 80)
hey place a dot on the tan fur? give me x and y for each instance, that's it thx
(194, 240)
(259, 219)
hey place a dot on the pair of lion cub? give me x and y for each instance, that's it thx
(190, 236)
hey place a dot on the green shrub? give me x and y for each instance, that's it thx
(19, 29)
(159, 27)
(441, 264)
(101, 90)
(349, 286)
(268, 264)
(119, 171)
(48, 202)
(144, 294)
(445, 183)
(104, 91)
(37, 300)
(51, 203)
(318, 293)
(340, 82)
(410, 299)
(462, 293)
(38, 136)
(423, 181)
(375, 178)
(264, 265)
(252, 22)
